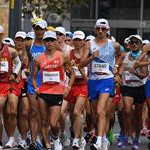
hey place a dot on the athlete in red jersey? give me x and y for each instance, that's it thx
(8, 73)
(52, 89)
(78, 94)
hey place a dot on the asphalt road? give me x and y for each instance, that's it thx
(143, 140)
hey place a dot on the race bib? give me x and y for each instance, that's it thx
(77, 72)
(100, 67)
(4, 66)
(130, 77)
(51, 76)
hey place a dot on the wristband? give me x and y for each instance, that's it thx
(116, 65)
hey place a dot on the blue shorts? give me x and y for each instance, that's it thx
(30, 88)
(97, 87)
(147, 89)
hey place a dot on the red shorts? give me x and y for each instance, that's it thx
(117, 96)
(16, 88)
(4, 89)
(76, 91)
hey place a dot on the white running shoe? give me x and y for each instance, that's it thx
(11, 143)
(57, 144)
(65, 140)
(22, 144)
(1, 148)
(105, 144)
(82, 143)
(75, 144)
(97, 145)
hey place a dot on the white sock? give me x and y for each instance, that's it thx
(99, 139)
(104, 137)
(11, 138)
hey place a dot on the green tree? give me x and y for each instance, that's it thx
(43, 7)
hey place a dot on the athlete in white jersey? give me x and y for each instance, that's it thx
(100, 54)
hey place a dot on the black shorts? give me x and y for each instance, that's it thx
(52, 99)
(137, 93)
(24, 90)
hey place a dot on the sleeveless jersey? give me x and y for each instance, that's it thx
(75, 62)
(130, 79)
(6, 65)
(101, 67)
(35, 51)
(53, 76)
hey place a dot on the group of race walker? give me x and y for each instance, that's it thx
(51, 76)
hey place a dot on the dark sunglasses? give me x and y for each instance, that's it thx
(59, 34)
(102, 28)
(135, 42)
(49, 40)
(68, 40)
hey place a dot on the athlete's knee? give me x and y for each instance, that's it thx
(128, 111)
(13, 113)
(34, 113)
(101, 113)
(77, 113)
(24, 114)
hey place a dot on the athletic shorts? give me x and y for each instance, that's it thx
(17, 87)
(77, 91)
(117, 96)
(52, 99)
(24, 90)
(137, 93)
(4, 89)
(98, 87)
(147, 89)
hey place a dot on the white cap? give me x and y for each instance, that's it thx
(42, 24)
(78, 35)
(30, 35)
(126, 40)
(61, 30)
(145, 41)
(49, 34)
(135, 36)
(8, 41)
(20, 34)
(102, 22)
(1, 29)
(90, 37)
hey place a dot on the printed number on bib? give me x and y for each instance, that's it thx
(4, 66)
(100, 67)
(51, 76)
(130, 77)
(77, 72)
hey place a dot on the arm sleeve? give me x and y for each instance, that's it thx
(17, 65)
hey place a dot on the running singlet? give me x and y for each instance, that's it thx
(101, 67)
(75, 62)
(6, 65)
(53, 75)
(35, 52)
(130, 79)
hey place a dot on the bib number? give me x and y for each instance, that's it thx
(51, 76)
(100, 67)
(4, 66)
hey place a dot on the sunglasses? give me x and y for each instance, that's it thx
(135, 42)
(68, 40)
(49, 40)
(101, 28)
(59, 34)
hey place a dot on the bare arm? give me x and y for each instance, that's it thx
(68, 66)
(36, 65)
(85, 58)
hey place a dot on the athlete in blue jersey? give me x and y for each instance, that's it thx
(36, 50)
(101, 55)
